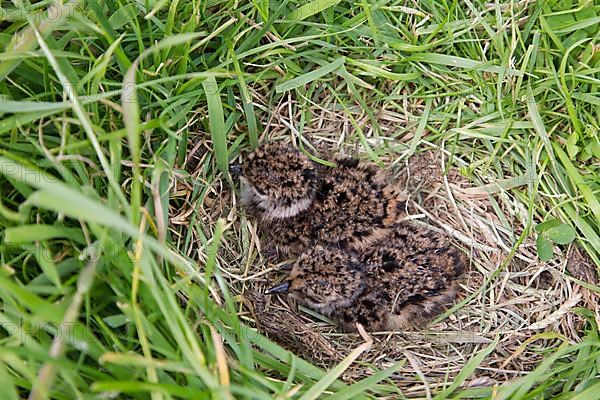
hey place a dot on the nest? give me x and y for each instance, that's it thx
(512, 304)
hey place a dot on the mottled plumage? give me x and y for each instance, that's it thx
(278, 182)
(300, 203)
(400, 284)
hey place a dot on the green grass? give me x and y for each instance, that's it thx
(101, 295)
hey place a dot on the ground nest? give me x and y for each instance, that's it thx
(512, 306)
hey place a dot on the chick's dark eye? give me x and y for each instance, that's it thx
(308, 173)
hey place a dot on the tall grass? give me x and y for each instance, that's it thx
(100, 297)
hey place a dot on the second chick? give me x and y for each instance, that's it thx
(399, 285)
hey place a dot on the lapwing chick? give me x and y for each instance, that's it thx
(299, 203)
(278, 182)
(392, 287)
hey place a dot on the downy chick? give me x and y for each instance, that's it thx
(299, 203)
(401, 284)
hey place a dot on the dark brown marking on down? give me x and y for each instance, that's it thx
(348, 162)
(398, 285)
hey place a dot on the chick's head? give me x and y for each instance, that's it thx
(324, 280)
(278, 181)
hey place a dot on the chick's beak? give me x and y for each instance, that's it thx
(286, 267)
(281, 288)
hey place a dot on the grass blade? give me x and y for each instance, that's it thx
(310, 76)
(31, 233)
(217, 124)
(468, 369)
(366, 384)
(310, 9)
(321, 386)
(462, 62)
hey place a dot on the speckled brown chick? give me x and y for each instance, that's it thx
(398, 285)
(278, 182)
(299, 203)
